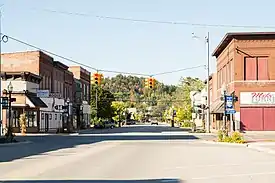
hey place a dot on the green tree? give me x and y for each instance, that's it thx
(182, 96)
(119, 108)
(104, 102)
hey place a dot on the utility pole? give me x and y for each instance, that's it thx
(208, 84)
(96, 101)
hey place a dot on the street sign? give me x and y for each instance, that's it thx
(229, 102)
(42, 93)
(232, 111)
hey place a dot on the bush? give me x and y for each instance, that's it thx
(235, 137)
(220, 136)
(187, 124)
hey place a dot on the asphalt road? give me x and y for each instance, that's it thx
(140, 153)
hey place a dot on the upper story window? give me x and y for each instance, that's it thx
(256, 68)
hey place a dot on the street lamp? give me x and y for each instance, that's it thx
(10, 89)
(208, 75)
(223, 94)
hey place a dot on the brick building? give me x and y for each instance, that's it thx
(82, 96)
(246, 65)
(24, 90)
(57, 81)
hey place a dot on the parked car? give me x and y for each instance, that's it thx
(109, 124)
(105, 124)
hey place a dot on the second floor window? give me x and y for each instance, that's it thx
(256, 68)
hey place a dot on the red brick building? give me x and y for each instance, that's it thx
(56, 79)
(246, 65)
(82, 96)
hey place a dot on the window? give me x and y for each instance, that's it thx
(55, 117)
(50, 118)
(31, 118)
(15, 118)
(42, 116)
(232, 73)
(256, 68)
(262, 68)
(228, 72)
(60, 117)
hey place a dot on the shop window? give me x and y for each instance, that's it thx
(15, 118)
(31, 118)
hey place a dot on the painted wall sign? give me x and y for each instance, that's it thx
(257, 98)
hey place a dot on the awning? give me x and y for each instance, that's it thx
(34, 101)
(218, 107)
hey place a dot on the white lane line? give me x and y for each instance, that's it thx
(234, 175)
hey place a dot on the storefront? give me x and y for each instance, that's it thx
(257, 111)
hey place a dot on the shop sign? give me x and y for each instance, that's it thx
(257, 98)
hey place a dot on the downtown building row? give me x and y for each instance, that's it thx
(245, 64)
(54, 96)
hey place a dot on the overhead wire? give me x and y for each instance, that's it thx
(87, 66)
(179, 70)
(49, 52)
(156, 21)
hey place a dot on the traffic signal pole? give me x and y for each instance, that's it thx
(96, 101)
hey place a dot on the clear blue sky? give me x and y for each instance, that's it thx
(130, 46)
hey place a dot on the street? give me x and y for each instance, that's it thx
(138, 153)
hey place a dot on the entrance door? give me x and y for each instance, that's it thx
(46, 122)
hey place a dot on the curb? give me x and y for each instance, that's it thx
(15, 143)
(225, 143)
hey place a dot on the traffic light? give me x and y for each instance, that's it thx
(97, 78)
(151, 82)
(146, 83)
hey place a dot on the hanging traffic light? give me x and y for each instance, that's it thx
(97, 77)
(146, 84)
(151, 82)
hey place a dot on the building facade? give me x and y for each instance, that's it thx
(55, 88)
(82, 95)
(24, 86)
(245, 65)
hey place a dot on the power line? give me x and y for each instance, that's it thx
(157, 21)
(49, 52)
(119, 72)
(93, 68)
(70, 60)
(179, 70)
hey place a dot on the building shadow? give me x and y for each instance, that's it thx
(137, 128)
(96, 181)
(42, 144)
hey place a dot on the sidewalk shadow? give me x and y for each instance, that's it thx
(43, 144)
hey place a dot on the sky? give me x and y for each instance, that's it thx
(129, 46)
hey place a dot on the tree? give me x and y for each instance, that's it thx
(104, 102)
(182, 96)
(119, 108)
